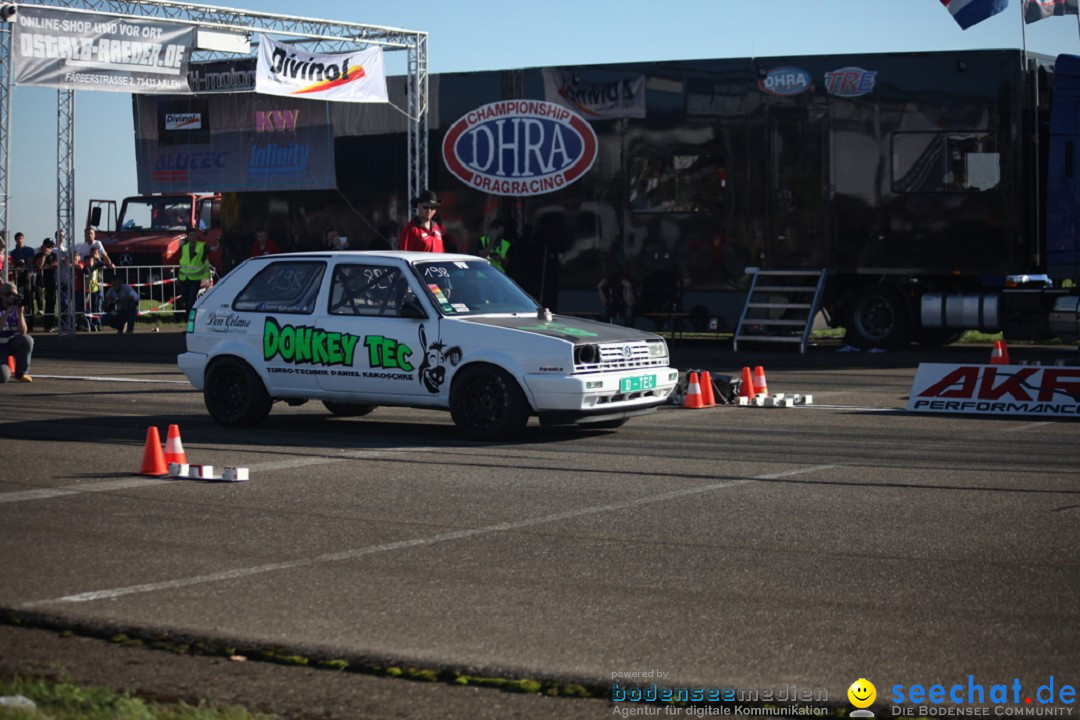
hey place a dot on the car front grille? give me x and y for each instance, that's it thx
(621, 356)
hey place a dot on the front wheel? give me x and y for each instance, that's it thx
(486, 403)
(234, 394)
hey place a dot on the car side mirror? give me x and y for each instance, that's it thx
(411, 308)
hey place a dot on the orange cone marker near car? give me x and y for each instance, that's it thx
(746, 387)
(1000, 354)
(174, 449)
(760, 387)
(693, 393)
(707, 398)
(153, 459)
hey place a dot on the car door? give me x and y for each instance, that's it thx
(376, 354)
(275, 312)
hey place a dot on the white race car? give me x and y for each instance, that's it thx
(361, 329)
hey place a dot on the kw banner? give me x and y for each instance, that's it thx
(342, 77)
(596, 100)
(233, 142)
(996, 390)
(81, 51)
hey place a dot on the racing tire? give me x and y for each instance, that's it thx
(877, 317)
(234, 394)
(342, 409)
(486, 403)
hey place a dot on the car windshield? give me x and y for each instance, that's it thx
(460, 287)
(157, 213)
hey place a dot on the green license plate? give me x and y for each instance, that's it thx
(634, 384)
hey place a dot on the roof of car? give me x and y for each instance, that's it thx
(408, 256)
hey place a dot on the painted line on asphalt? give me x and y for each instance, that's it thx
(46, 493)
(124, 484)
(414, 543)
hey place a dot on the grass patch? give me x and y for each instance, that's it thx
(63, 700)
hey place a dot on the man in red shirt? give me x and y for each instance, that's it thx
(422, 233)
(263, 245)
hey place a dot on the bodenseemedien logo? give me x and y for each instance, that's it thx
(862, 694)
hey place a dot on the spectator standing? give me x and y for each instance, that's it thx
(93, 271)
(15, 340)
(423, 233)
(263, 245)
(617, 299)
(495, 247)
(90, 242)
(194, 268)
(24, 276)
(45, 264)
(121, 306)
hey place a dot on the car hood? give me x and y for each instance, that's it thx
(571, 329)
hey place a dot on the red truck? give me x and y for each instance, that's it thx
(149, 228)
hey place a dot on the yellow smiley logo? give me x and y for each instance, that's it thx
(862, 693)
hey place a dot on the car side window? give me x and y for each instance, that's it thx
(367, 290)
(288, 287)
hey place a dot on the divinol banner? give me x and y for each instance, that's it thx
(81, 51)
(342, 77)
(519, 147)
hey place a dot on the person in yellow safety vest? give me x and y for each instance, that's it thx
(194, 269)
(495, 247)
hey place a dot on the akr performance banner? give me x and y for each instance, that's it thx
(84, 51)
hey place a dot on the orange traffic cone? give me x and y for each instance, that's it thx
(153, 459)
(746, 387)
(693, 393)
(174, 450)
(1000, 354)
(707, 398)
(760, 388)
(11, 363)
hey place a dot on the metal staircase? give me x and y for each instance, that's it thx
(780, 307)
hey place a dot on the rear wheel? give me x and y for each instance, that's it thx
(487, 404)
(348, 409)
(234, 394)
(877, 317)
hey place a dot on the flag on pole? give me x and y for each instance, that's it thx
(969, 12)
(1039, 9)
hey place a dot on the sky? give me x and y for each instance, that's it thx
(489, 34)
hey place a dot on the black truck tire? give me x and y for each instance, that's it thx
(877, 317)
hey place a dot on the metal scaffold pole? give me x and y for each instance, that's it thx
(68, 300)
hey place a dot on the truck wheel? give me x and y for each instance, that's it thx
(234, 394)
(877, 317)
(487, 404)
(348, 409)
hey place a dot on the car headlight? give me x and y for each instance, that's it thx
(586, 354)
(658, 349)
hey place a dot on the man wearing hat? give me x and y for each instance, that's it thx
(15, 340)
(423, 233)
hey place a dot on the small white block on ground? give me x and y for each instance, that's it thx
(179, 470)
(235, 474)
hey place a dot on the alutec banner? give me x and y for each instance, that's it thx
(341, 77)
(84, 51)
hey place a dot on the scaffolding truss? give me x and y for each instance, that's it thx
(315, 35)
